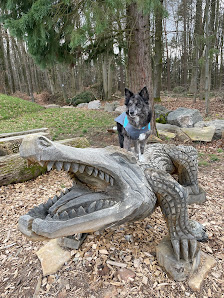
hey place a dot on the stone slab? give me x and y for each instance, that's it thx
(207, 262)
(178, 270)
(52, 257)
(204, 134)
(166, 134)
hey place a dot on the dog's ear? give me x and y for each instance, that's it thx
(128, 95)
(144, 94)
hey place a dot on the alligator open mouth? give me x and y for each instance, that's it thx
(101, 195)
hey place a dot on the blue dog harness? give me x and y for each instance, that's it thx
(133, 132)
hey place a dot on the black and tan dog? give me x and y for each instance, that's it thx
(133, 126)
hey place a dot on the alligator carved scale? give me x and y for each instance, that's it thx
(111, 187)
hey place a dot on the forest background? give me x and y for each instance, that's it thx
(66, 47)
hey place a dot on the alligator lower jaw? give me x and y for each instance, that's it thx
(78, 209)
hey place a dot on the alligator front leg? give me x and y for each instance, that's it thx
(172, 200)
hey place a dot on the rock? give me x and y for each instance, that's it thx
(110, 106)
(218, 124)
(94, 105)
(204, 134)
(51, 106)
(120, 109)
(72, 242)
(161, 113)
(174, 129)
(167, 134)
(207, 262)
(126, 274)
(178, 270)
(52, 257)
(82, 105)
(184, 117)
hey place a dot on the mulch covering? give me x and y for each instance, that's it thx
(106, 259)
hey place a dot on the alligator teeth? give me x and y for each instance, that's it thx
(66, 191)
(48, 217)
(72, 213)
(82, 168)
(89, 170)
(91, 207)
(99, 205)
(56, 216)
(101, 175)
(95, 172)
(50, 165)
(55, 198)
(106, 204)
(112, 203)
(67, 166)
(75, 167)
(64, 215)
(107, 178)
(111, 181)
(48, 204)
(59, 165)
(81, 211)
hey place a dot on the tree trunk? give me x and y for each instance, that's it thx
(27, 69)
(197, 33)
(207, 73)
(9, 65)
(184, 66)
(3, 75)
(158, 52)
(139, 63)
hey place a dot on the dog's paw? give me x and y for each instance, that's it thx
(142, 136)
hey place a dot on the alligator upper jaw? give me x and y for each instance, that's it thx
(110, 189)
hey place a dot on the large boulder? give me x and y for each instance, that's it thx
(111, 106)
(184, 117)
(161, 113)
(94, 105)
(218, 124)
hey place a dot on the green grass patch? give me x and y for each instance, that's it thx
(13, 107)
(61, 122)
(214, 157)
(220, 150)
(203, 163)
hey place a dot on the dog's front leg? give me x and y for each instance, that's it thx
(127, 143)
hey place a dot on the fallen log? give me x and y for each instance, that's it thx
(14, 169)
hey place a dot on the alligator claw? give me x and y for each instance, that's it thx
(176, 248)
(193, 247)
(184, 248)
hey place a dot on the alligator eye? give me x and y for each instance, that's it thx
(124, 158)
(44, 141)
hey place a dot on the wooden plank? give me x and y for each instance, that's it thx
(18, 133)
